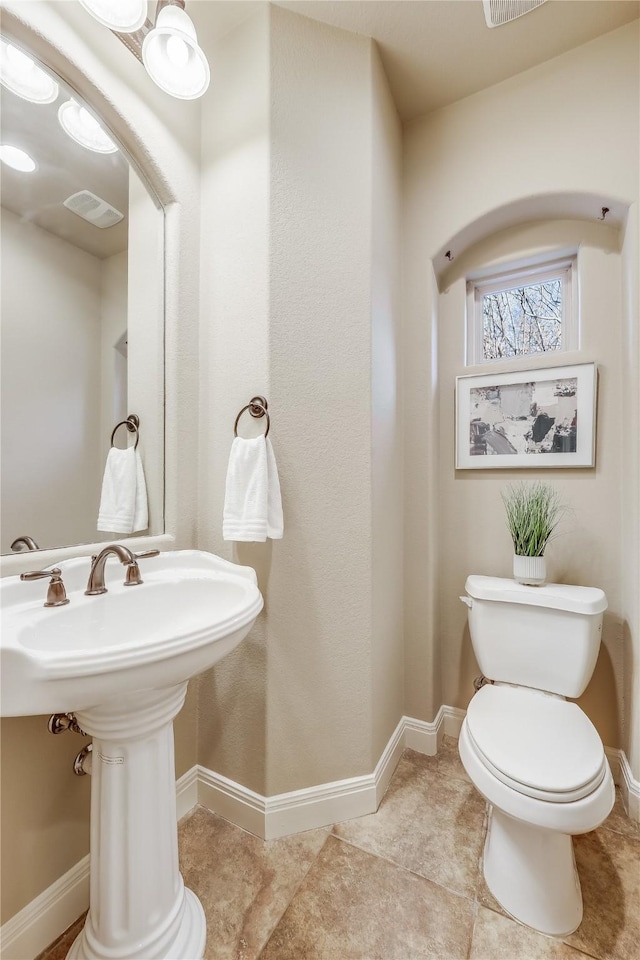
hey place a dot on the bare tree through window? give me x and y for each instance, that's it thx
(523, 320)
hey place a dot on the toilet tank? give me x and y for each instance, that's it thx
(544, 637)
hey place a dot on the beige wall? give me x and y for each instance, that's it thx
(113, 324)
(472, 532)
(288, 292)
(51, 303)
(456, 173)
(630, 501)
(146, 335)
(387, 638)
(234, 303)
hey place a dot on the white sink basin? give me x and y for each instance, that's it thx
(192, 609)
(120, 662)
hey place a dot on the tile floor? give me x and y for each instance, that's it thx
(401, 884)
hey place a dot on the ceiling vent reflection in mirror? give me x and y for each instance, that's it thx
(498, 12)
(93, 209)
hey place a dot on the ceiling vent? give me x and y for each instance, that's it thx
(497, 12)
(93, 209)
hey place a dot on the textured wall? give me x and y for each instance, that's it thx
(113, 366)
(320, 614)
(234, 363)
(387, 640)
(288, 291)
(630, 485)
(456, 173)
(51, 303)
(146, 335)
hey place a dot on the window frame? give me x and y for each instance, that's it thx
(509, 278)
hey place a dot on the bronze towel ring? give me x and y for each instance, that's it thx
(132, 423)
(257, 407)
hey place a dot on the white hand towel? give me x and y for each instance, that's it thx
(123, 502)
(141, 509)
(253, 504)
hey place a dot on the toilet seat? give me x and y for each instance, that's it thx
(536, 743)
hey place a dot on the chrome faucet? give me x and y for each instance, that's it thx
(21, 542)
(96, 586)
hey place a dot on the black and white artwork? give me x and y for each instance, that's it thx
(529, 419)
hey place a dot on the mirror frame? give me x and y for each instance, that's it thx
(156, 133)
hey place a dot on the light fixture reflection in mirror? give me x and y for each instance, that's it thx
(84, 129)
(81, 315)
(17, 159)
(22, 76)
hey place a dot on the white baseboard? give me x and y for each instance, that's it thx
(187, 792)
(232, 801)
(453, 717)
(44, 919)
(308, 809)
(426, 737)
(389, 761)
(48, 916)
(613, 756)
(629, 786)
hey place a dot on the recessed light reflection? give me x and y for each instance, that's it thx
(84, 128)
(17, 159)
(20, 74)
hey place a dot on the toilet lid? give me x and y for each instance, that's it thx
(538, 743)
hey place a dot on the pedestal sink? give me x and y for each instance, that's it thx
(121, 663)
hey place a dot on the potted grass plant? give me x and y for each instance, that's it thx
(534, 510)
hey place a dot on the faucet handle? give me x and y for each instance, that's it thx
(133, 578)
(56, 594)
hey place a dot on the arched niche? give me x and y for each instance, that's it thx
(449, 260)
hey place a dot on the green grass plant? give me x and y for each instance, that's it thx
(533, 513)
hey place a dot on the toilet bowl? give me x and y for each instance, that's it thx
(535, 756)
(535, 807)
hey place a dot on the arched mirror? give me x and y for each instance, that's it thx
(81, 318)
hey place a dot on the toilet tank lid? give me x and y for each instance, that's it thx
(556, 596)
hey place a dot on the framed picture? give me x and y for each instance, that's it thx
(533, 418)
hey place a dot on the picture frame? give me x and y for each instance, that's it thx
(536, 418)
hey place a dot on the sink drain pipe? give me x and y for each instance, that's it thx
(83, 762)
(60, 723)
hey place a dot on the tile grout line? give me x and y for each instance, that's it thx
(399, 866)
(476, 907)
(618, 833)
(293, 895)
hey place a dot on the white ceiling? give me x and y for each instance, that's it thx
(64, 168)
(434, 52)
(438, 51)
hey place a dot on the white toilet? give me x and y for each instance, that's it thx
(531, 753)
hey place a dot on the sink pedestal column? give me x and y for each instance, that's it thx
(139, 906)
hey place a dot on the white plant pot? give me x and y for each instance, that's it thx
(529, 570)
